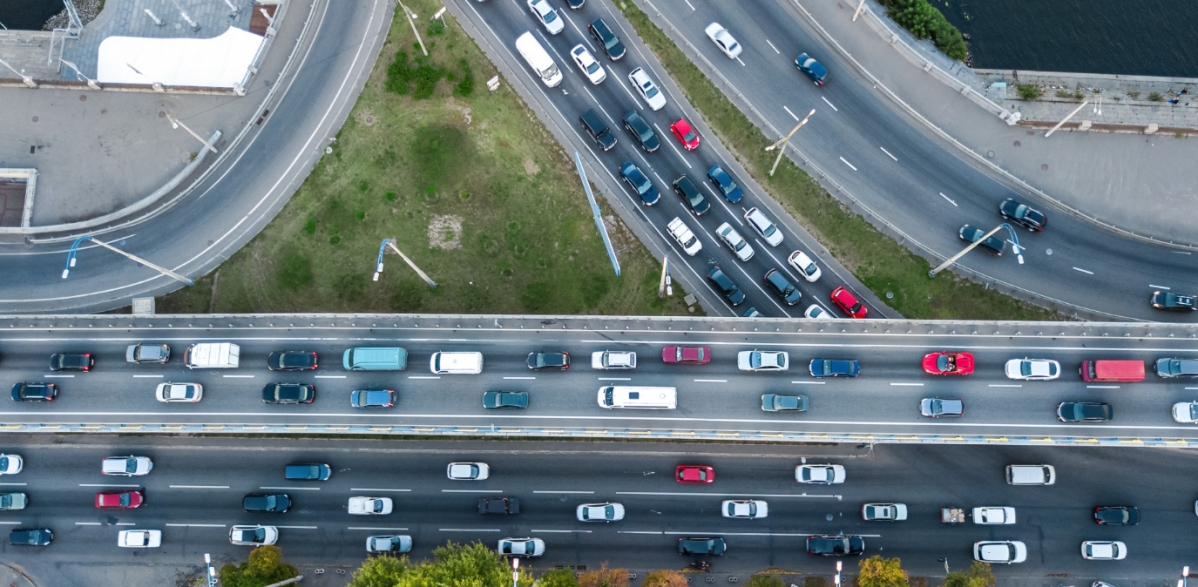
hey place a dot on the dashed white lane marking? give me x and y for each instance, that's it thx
(792, 114)
(197, 525)
(1005, 385)
(810, 382)
(711, 381)
(146, 376)
(849, 164)
(615, 379)
(950, 200)
(376, 528)
(471, 491)
(87, 523)
(689, 4)
(519, 377)
(829, 104)
(888, 153)
(238, 376)
(569, 492)
(1192, 388)
(1083, 271)
(124, 524)
(58, 376)
(297, 527)
(1102, 387)
(742, 63)
(291, 488)
(697, 494)
(14, 484)
(714, 533)
(378, 489)
(105, 485)
(1159, 287)
(562, 531)
(330, 376)
(9, 523)
(422, 377)
(635, 100)
(773, 47)
(199, 486)
(468, 529)
(906, 384)
(665, 139)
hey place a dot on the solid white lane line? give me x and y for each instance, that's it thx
(888, 153)
(561, 531)
(711, 381)
(519, 377)
(773, 47)
(1005, 385)
(792, 114)
(375, 528)
(87, 523)
(468, 529)
(147, 376)
(105, 485)
(422, 377)
(377, 489)
(830, 104)
(1149, 285)
(810, 382)
(1102, 387)
(684, 494)
(950, 200)
(639, 532)
(688, 3)
(1083, 271)
(906, 384)
(742, 63)
(330, 376)
(297, 527)
(197, 525)
(615, 379)
(471, 491)
(847, 163)
(199, 486)
(238, 376)
(292, 488)
(570, 492)
(585, 38)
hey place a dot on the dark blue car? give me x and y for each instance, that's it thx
(834, 368)
(812, 68)
(639, 182)
(724, 183)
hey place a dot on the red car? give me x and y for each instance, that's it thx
(694, 474)
(946, 363)
(686, 135)
(845, 299)
(121, 499)
(686, 355)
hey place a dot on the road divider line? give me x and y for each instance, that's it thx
(1102, 387)
(1186, 388)
(1083, 271)
(87, 523)
(328, 377)
(906, 385)
(124, 523)
(238, 376)
(792, 114)
(1005, 385)
(376, 528)
(471, 491)
(8, 523)
(638, 532)
(196, 525)
(845, 161)
(199, 486)
(711, 381)
(297, 527)
(688, 3)
(147, 376)
(519, 377)
(292, 488)
(950, 200)
(1149, 285)
(773, 47)
(570, 492)
(684, 494)
(562, 531)
(58, 376)
(422, 377)
(24, 484)
(888, 153)
(615, 379)
(468, 529)
(830, 104)
(105, 485)
(810, 382)
(377, 489)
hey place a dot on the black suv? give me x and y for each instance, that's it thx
(30, 536)
(1031, 219)
(275, 503)
(291, 361)
(835, 545)
(1167, 300)
(499, 505)
(1116, 516)
(72, 362)
(970, 234)
(603, 35)
(639, 182)
(721, 281)
(34, 392)
(642, 131)
(543, 360)
(689, 192)
(695, 545)
(1085, 412)
(783, 287)
(597, 129)
(289, 393)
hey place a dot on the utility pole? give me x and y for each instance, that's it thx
(71, 255)
(176, 123)
(390, 242)
(786, 140)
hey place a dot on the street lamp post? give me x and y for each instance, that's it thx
(74, 251)
(839, 566)
(786, 140)
(973, 245)
(515, 571)
(945, 561)
(1185, 576)
(211, 571)
(378, 266)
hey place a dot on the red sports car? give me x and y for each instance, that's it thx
(694, 474)
(121, 499)
(686, 355)
(686, 135)
(946, 363)
(845, 299)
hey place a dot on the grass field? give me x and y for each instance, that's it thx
(469, 183)
(877, 260)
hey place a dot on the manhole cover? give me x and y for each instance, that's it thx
(161, 114)
(1048, 251)
(82, 97)
(1044, 167)
(1017, 143)
(889, 295)
(35, 119)
(990, 154)
(829, 517)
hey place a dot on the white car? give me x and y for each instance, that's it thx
(762, 360)
(736, 242)
(719, 35)
(521, 547)
(547, 15)
(994, 515)
(1032, 369)
(468, 471)
(648, 90)
(600, 512)
(1186, 412)
(817, 313)
(820, 474)
(613, 360)
(884, 512)
(686, 238)
(129, 466)
(179, 392)
(586, 62)
(11, 464)
(139, 538)
(398, 544)
(749, 509)
(253, 535)
(764, 226)
(1104, 550)
(369, 506)
(1000, 552)
(804, 265)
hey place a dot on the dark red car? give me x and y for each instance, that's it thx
(686, 355)
(946, 363)
(845, 300)
(120, 499)
(686, 135)
(694, 474)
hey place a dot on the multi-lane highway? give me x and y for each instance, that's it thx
(883, 400)
(194, 495)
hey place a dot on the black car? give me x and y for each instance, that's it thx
(505, 399)
(34, 392)
(725, 184)
(30, 536)
(721, 281)
(1177, 368)
(639, 182)
(274, 503)
(835, 545)
(291, 361)
(772, 402)
(575, 4)
(1116, 516)
(598, 130)
(148, 353)
(1030, 218)
(1085, 412)
(372, 398)
(289, 393)
(686, 188)
(610, 42)
(812, 68)
(694, 545)
(307, 472)
(543, 360)
(1167, 300)
(642, 131)
(972, 234)
(499, 505)
(783, 287)
(72, 362)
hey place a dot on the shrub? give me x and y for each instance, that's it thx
(466, 86)
(435, 27)
(925, 22)
(1063, 94)
(1028, 91)
(604, 577)
(1155, 97)
(401, 76)
(265, 566)
(666, 578)
(765, 581)
(1133, 95)
(558, 578)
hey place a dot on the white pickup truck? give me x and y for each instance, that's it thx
(369, 506)
(687, 239)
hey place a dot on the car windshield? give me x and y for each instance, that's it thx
(650, 89)
(1025, 368)
(1194, 411)
(944, 363)
(755, 360)
(593, 67)
(550, 15)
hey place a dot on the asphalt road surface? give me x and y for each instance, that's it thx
(193, 495)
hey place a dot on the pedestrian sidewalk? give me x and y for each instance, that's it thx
(1131, 182)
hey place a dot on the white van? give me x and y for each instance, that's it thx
(443, 363)
(1031, 475)
(645, 398)
(212, 355)
(538, 59)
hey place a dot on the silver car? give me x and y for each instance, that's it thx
(736, 242)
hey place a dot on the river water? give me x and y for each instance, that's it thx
(1141, 37)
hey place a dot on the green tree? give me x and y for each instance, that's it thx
(454, 565)
(978, 575)
(380, 571)
(558, 578)
(765, 581)
(665, 578)
(604, 577)
(265, 566)
(881, 572)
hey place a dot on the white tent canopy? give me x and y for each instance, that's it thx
(219, 62)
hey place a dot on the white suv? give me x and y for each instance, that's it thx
(686, 239)
(653, 96)
(613, 360)
(736, 242)
(764, 226)
(547, 15)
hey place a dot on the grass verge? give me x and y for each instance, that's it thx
(877, 260)
(470, 184)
